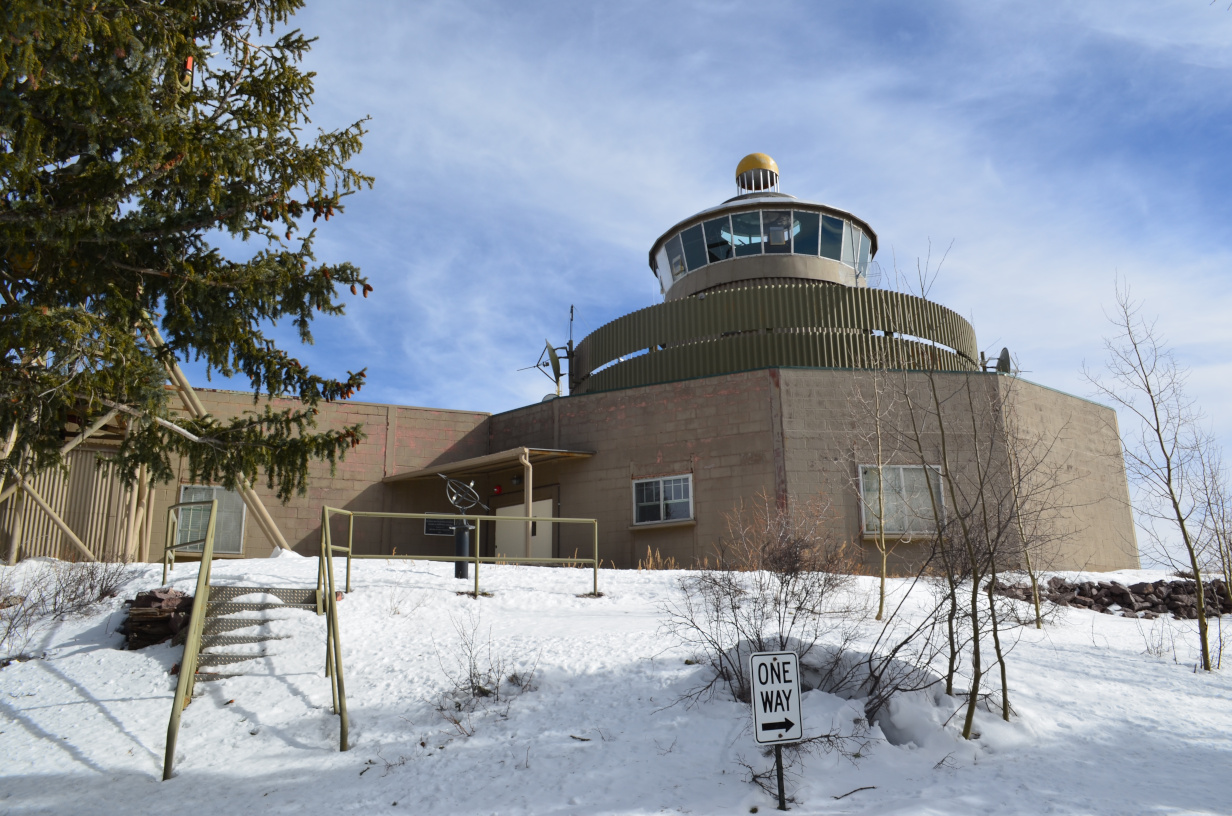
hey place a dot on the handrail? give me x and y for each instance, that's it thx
(196, 623)
(475, 558)
(173, 529)
(327, 588)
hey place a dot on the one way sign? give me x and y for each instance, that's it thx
(776, 697)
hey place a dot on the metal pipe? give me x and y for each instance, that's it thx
(527, 480)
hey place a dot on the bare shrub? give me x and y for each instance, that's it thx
(48, 590)
(779, 582)
(478, 676)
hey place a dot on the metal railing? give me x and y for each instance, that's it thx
(475, 558)
(196, 622)
(327, 589)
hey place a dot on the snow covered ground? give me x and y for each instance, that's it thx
(1111, 718)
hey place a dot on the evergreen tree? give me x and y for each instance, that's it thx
(136, 139)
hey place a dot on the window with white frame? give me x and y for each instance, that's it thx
(228, 527)
(664, 498)
(900, 500)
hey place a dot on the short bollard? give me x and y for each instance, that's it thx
(462, 548)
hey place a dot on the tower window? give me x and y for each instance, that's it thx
(675, 258)
(746, 233)
(804, 228)
(831, 237)
(694, 247)
(777, 226)
(719, 240)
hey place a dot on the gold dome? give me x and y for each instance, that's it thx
(757, 172)
(756, 161)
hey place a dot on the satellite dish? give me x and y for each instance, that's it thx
(1004, 366)
(549, 397)
(554, 360)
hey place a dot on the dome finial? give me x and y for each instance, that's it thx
(757, 172)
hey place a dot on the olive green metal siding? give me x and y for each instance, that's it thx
(765, 326)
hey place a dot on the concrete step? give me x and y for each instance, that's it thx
(289, 595)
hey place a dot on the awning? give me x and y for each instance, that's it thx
(492, 463)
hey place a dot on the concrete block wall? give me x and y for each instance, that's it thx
(719, 429)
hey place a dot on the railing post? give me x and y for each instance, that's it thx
(192, 644)
(350, 547)
(596, 558)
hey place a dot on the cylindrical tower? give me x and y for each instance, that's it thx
(766, 280)
(762, 234)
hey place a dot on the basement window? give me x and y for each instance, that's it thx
(228, 527)
(666, 498)
(908, 504)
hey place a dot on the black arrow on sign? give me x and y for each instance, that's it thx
(785, 725)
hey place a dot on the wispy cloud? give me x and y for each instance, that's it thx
(527, 155)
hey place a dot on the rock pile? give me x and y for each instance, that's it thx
(156, 616)
(1144, 600)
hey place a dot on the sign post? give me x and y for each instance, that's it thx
(776, 704)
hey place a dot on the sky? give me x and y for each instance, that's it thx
(528, 155)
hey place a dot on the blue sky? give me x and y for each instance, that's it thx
(527, 155)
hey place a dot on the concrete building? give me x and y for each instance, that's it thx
(759, 374)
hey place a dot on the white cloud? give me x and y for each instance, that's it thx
(528, 155)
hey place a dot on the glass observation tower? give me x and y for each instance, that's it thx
(766, 280)
(762, 234)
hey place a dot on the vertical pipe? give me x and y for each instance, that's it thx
(596, 559)
(527, 479)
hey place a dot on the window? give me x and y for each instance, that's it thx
(719, 240)
(694, 247)
(831, 237)
(228, 527)
(805, 229)
(746, 233)
(908, 506)
(862, 257)
(777, 225)
(669, 498)
(675, 258)
(849, 245)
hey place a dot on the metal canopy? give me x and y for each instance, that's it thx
(492, 463)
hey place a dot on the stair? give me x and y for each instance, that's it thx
(215, 632)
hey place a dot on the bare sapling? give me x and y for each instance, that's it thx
(1164, 443)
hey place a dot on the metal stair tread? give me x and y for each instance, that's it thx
(217, 626)
(289, 595)
(217, 608)
(223, 659)
(211, 641)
